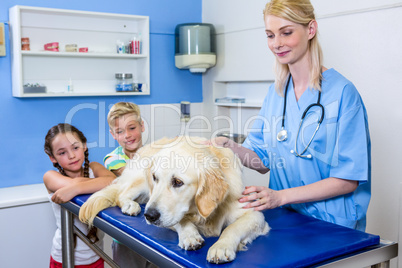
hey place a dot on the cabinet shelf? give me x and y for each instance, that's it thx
(240, 105)
(253, 93)
(92, 73)
(82, 94)
(82, 54)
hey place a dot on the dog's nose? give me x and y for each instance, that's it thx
(152, 215)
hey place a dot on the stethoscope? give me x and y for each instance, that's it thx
(283, 134)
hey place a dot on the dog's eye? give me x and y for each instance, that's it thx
(155, 179)
(176, 183)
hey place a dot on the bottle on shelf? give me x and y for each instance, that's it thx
(70, 86)
(136, 44)
(139, 44)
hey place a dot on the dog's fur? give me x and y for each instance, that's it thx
(189, 187)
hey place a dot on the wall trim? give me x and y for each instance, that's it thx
(331, 15)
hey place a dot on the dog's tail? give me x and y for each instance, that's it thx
(100, 200)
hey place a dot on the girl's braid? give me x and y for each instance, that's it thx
(61, 170)
(86, 164)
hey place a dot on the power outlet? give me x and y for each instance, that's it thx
(2, 40)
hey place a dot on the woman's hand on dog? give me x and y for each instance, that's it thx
(218, 142)
(261, 198)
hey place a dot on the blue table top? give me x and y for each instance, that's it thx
(295, 240)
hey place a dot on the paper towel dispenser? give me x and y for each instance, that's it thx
(195, 46)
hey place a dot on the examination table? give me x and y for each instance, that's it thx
(294, 240)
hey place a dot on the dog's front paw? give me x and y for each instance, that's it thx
(191, 242)
(220, 252)
(85, 215)
(131, 208)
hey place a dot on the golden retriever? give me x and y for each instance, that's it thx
(189, 187)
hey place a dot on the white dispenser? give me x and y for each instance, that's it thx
(195, 47)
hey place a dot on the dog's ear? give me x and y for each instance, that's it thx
(212, 189)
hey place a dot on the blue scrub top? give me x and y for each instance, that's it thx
(340, 149)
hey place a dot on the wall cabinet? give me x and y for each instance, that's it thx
(90, 73)
(252, 91)
(238, 117)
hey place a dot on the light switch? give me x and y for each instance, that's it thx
(185, 111)
(2, 40)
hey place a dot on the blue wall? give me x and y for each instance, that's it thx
(24, 122)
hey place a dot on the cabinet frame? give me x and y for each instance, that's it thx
(92, 73)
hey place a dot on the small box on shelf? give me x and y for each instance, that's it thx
(30, 89)
(230, 100)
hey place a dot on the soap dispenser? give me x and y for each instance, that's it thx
(195, 46)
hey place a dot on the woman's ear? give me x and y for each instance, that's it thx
(312, 29)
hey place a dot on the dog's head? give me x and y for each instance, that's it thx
(184, 179)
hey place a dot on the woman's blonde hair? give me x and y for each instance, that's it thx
(301, 12)
(122, 108)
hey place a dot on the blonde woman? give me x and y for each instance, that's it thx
(318, 169)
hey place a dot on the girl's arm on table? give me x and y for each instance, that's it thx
(54, 180)
(103, 178)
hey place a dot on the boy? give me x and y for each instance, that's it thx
(126, 127)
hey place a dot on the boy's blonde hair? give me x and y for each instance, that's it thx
(120, 109)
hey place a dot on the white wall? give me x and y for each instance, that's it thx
(163, 120)
(366, 48)
(362, 40)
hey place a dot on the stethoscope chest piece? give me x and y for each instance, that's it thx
(282, 135)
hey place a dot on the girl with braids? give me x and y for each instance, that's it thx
(66, 147)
